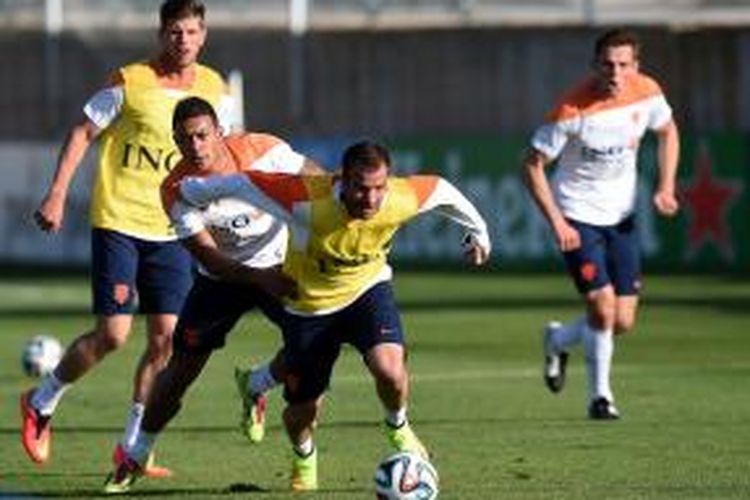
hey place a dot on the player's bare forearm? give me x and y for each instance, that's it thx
(77, 143)
(49, 215)
(669, 154)
(538, 186)
(665, 198)
(203, 247)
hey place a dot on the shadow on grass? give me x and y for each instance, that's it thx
(137, 492)
(349, 424)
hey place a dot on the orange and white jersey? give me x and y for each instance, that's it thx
(241, 230)
(596, 143)
(333, 257)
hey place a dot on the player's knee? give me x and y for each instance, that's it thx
(624, 324)
(301, 415)
(603, 310)
(387, 364)
(111, 333)
(159, 348)
(393, 377)
(110, 340)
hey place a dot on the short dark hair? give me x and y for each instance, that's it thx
(364, 154)
(191, 107)
(617, 38)
(172, 10)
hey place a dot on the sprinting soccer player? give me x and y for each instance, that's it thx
(341, 230)
(239, 249)
(136, 260)
(594, 134)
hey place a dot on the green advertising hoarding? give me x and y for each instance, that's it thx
(709, 234)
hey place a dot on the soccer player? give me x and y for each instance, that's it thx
(239, 249)
(136, 260)
(594, 134)
(341, 230)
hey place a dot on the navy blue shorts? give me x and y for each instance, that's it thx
(124, 268)
(312, 343)
(608, 255)
(213, 308)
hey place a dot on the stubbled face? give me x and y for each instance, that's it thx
(199, 140)
(182, 40)
(363, 191)
(613, 67)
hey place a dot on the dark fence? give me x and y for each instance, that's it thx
(381, 82)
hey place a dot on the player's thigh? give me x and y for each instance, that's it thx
(311, 347)
(114, 267)
(164, 276)
(625, 258)
(211, 310)
(373, 319)
(587, 265)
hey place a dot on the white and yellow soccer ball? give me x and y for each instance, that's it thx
(40, 355)
(406, 476)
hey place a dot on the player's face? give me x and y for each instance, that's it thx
(199, 141)
(614, 66)
(363, 191)
(183, 39)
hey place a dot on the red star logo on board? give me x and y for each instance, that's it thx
(707, 201)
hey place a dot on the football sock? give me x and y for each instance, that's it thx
(144, 443)
(261, 380)
(133, 424)
(396, 418)
(569, 334)
(305, 448)
(47, 396)
(599, 346)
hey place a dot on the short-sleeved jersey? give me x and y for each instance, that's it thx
(136, 149)
(241, 230)
(333, 257)
(596, 143)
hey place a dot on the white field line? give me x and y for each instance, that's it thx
(28, 294)
(515, 373)
(449, 376)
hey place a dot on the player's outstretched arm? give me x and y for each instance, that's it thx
(538, 186)
(50, 213)
(451, 203)
(665, 199)
(203, 247)
(263, 190)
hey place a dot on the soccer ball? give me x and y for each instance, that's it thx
(406, 476)
(41, 355)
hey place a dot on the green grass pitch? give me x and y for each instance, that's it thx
(478, 401)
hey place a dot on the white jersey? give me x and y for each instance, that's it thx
(240, 229)
(243, 232)
(596, 143)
